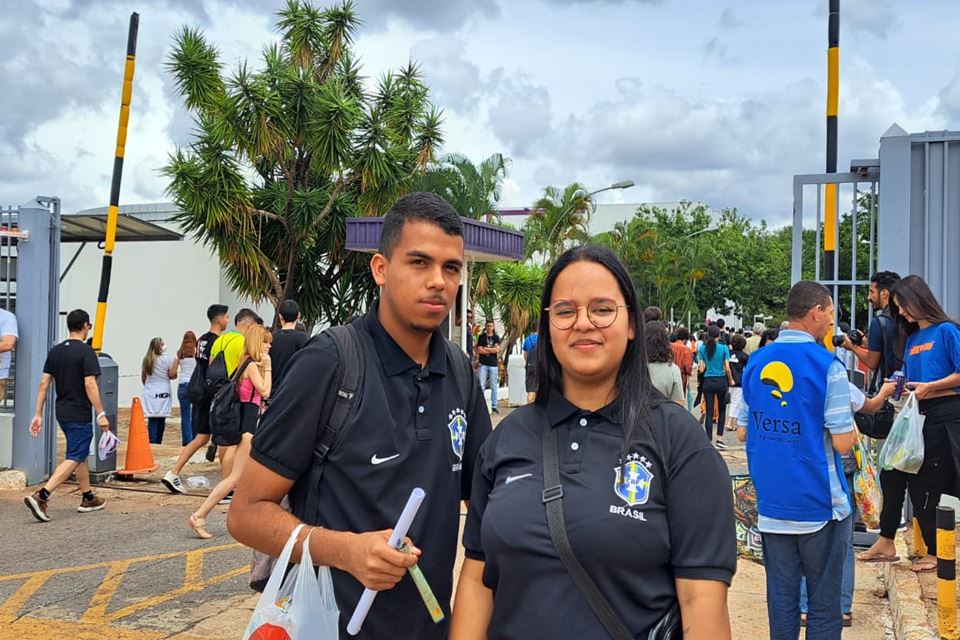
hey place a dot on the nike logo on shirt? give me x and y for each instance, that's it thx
(514, 478)
(376, 460)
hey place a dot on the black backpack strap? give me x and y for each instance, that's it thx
(350, 371)
(462, 371)
(553, 501)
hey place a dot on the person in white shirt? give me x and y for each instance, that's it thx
(156, 373)
(187, 356)
(8, 341)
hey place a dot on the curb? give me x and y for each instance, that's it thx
(13, 480)
(906, 598)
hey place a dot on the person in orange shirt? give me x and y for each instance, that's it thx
(682, 355)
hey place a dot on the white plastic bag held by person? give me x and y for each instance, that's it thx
(298, 606)
(903, 449)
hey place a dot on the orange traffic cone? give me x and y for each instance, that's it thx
(139, 457)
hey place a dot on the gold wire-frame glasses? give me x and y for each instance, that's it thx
(601, 313)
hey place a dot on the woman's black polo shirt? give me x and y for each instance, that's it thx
(634, 529)
(406, 431)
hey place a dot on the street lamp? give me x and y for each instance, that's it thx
(623, 184)
(709, 229)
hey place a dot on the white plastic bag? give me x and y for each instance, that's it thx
(903, 449)
(298, 606)
(108, 444)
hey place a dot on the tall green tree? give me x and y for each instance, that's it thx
(516, 288)
(285, 153)
(474, 190)
(559, 219)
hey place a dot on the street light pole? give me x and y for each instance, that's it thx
(623, 184)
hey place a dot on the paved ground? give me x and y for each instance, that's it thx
(134, 571)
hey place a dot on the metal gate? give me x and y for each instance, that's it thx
(850, 276)
(29, 259)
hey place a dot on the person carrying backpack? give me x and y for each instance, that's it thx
(366, 413)
(199, 397)
(244, 396)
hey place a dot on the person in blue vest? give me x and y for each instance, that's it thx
(796, 420)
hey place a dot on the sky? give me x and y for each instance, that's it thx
(716, 101)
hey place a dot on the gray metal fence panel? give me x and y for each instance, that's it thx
(920, 209)
(35, 295)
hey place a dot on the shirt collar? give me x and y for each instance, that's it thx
(560, 409)
(794, 335)
(394, 359)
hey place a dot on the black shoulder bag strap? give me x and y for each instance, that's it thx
(553, 500)
(351, 375)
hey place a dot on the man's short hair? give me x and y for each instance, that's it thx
(721, 323)
(77, 319)
(758, 327)
(289, 310)
(806, 295)
(417, 206)
(652, 314)
(683, 333)
(486, 322)
(214, 311)
(885, 280)
(245, 314)
(738, 342)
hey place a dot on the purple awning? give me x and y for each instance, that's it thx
(482, 242)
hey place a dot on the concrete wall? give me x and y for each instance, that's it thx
(157, 289)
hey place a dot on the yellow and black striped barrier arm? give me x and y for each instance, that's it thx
(833, 106)
(113, 209)
(947, 573)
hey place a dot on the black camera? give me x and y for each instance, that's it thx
(856, 336)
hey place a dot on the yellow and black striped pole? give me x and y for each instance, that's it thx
(947, 573)
(113, 209)
(833, 105)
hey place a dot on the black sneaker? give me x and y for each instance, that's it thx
(721, 445)
(227, 499)
(37, 506)
(211, 452)
(494, 410)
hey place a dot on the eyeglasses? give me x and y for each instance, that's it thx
(600, 313)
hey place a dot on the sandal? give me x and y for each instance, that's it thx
(924, 567)
(199, 526)
(868, 557)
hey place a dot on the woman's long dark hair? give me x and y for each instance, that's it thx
(914, 293)
(657, 342)
(713, 332)
(634, 388)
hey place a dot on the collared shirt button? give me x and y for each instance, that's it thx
(575, 445)
(583, 422)
(421, 409)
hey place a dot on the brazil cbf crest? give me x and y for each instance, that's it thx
(633, 479)
(458, 430)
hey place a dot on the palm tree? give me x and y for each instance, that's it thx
(559, 219)
(285, 153)
(474, 191)
(518, 288)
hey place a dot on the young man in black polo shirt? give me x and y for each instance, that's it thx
(287, 340)
(218, 316)
(410, 426)
(73, 367)
(488, 346)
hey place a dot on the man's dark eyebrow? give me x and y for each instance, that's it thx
(425, 256)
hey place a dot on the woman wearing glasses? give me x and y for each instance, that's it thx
(646, 509)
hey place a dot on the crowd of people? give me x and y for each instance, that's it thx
(334, 432)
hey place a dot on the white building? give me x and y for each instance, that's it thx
(156, 289)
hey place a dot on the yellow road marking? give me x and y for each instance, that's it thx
(10, 608)
(105, 592)
(92, 623)
(98, 565)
